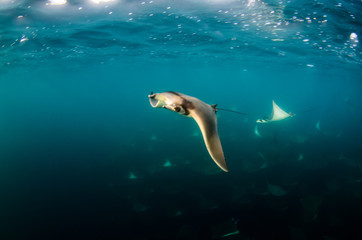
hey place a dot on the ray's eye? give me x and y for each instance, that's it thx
(177, 109)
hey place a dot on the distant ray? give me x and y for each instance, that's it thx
(167, 163)
(276, 190)
(230, 234)
(178, 213)
(139, 207)
(278, 114)
(256, 131)
(261, 156)
(131, 175)
(265, 164)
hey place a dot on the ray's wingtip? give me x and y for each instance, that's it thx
(224, 168)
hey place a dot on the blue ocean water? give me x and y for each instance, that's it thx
(83, 155)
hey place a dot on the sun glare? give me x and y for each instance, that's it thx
(101, 1)
(56, 2)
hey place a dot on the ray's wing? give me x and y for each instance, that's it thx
(278, 113)
(205, 117)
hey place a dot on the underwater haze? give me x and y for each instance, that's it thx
(83, 154)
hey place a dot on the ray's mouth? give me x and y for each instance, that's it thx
(153, 100)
